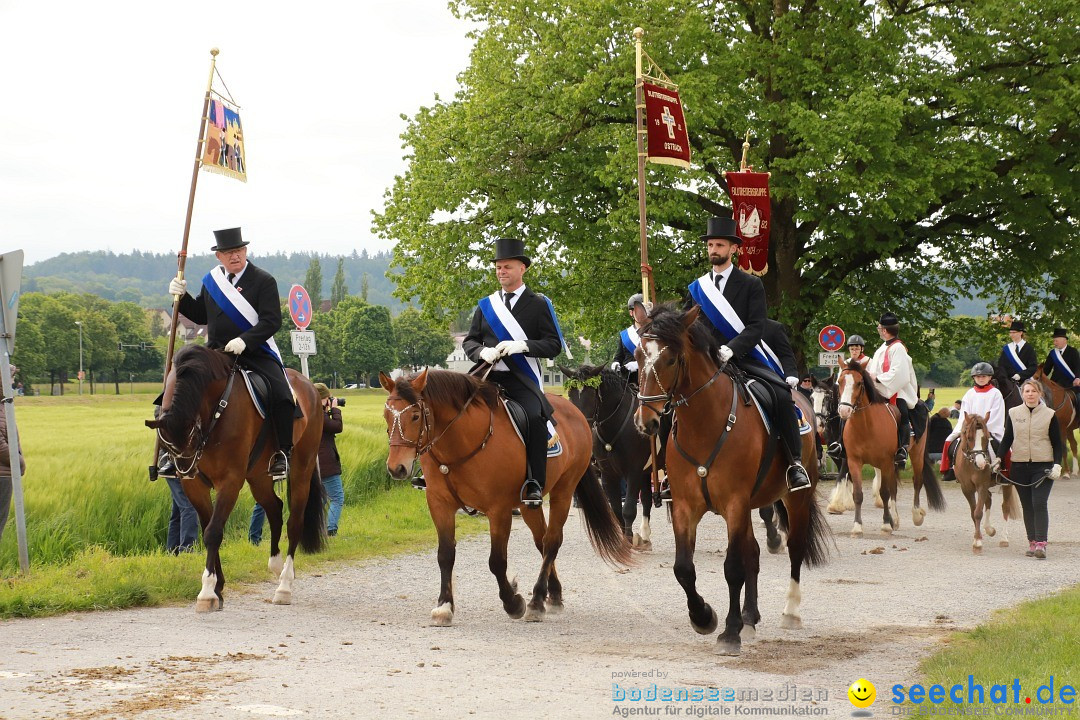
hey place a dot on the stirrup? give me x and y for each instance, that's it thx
(532, 494)
(167, 468)
(797, 479)
(419, 482)
(279, 466)
(835, 448)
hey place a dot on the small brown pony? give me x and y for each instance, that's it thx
(472, 458)
(870, 439)
(221, 448)
(1059, 400)
(975, 477)
(721, 458)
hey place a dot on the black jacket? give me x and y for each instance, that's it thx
(940, 429)
(776, 337)
(1072, 359)
(260, 289)
(1027, 356)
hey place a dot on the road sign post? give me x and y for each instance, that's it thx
(11, 265)
(303, 340)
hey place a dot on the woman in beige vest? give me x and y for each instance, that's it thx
(1031, 432)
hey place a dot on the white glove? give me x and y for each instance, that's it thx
(1016, 377)
(1055, 472)
(512, 347)
(236, 346)
(177, 287)
(725, 353)
(792, 381)
(996, 467)
(490, 355)
(631, 366)
(615, 366)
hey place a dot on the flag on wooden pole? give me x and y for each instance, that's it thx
(222, 141)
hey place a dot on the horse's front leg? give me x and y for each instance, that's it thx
(443, 510)
(855, 473)
(262, 488)
(751, 555)
(988, 503)
(977, 518)
(684, 522)
(735, 572)
(499, 522)
(213, 579)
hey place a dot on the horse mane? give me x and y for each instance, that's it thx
(666, 324)
(445, 387)
(872, 395)
(195, 368)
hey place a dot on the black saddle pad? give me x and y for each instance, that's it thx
(953, 447)
(518, 416)
(919, 416)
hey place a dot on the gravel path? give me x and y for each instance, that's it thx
(357, 643)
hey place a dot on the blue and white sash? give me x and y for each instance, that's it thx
(1062, 366)
(724, 318)
(236, 307)
(506, 327)
(1014, 358)
(630, 339)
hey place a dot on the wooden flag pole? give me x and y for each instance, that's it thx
(639, 109)
(181, 258)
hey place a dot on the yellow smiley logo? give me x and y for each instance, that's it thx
(862, 693)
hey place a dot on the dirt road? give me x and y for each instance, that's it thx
(357, 642)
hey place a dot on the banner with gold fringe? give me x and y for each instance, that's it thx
(223, 142)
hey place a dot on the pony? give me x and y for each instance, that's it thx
(620, 452)
(724, 461)
(975, 477)
(1059, 400)
(870, 439)
(473, 459)
(213, 429)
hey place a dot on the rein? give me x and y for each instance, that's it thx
(196, 455)
(626, 416)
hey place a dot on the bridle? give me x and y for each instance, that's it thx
(668, 396)
(191, 461)
(970, 455)
(597, 423)
(840, 403)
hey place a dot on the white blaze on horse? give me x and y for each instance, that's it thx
(974, 474)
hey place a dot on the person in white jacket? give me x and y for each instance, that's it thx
(981, 399)
(894, 377)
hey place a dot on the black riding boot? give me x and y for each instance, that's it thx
(788, 423)
(283, 423)
(903, 433)
(532, 492)
(166, 467)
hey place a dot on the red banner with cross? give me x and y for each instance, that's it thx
(669, 143)
(749, 192)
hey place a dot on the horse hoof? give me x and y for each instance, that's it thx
(775, 548)
(1003, 543)
(516, 608)
(282, 597)
(644, 546)
(534, 613)
(790, 622)
(636, 541)
(856, 531)
(203, 605)
(442, 616)
(728, 646)
(886, 529)
(748, 633)
(710, 627)
(554, 607)
(991, 532)
(275, 565)
(877, 503)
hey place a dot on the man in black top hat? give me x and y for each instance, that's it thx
(1063, 364)
(241, 308)
(510, 330)
(1017, 356)
(745, 295)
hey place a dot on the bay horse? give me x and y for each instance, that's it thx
(473, 459)
(210, 424)
(870, 438)
(974, 474)
(621, 454)
(1059, 400)
(721, 458)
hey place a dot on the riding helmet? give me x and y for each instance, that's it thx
(856, 340)
(982, 368)
(635, 299)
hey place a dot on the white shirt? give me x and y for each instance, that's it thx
(723, 277)
(980, 403)
(900, 378)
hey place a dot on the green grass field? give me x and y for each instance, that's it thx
(96, 526)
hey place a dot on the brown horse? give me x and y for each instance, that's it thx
(975, 477)
(870, 439)
(472, 458)
(721, 458)
(213, 429)
(1060, 401)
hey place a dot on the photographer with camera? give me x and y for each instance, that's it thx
(329, 467)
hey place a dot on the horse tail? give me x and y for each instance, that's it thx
(313, 538)
(818, 532)
(1010, 502)
(934, 497)
(605, 531)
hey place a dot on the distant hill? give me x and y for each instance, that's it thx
(142, 277)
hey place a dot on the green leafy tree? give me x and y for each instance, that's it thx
(313, 283)
(365, 286)
(919, 150)
(339, 291)
(420, 343)
(367, 339)
(55, 323)
(136, 353)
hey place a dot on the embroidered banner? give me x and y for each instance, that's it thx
(669, 143)
(223, 146)
(750, 207)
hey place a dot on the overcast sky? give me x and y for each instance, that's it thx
(101, 112)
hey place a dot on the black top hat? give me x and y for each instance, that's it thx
(721, 227)
(228, 240)
(511, 249)
(1017, 325)
(1060, 332)
(889, 320)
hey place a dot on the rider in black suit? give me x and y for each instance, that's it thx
(1024, 351)
(483, 346)
(260, 289)
(1071, 358)
(746, 295)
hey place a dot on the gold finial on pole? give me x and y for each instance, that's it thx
(638, 34)
(214, 52)
(745, 151)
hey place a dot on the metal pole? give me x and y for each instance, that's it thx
(181, 259)
(13, 450)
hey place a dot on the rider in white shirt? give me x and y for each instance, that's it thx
(894, 377)
(981, 399)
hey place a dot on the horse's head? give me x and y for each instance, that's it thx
(583, 389)
(408, 421)
(819, 398)
(854, 389)
(667, 344)
(975, 440)
(187, 400)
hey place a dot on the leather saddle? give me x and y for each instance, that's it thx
(259, 390)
